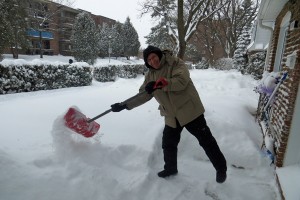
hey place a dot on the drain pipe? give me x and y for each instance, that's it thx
(260, 19)
(270, 41)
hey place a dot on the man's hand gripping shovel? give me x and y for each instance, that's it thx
(79, 123)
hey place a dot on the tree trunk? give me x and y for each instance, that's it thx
(181, 33)
(41, 52)
(14, 51)
(182, 48)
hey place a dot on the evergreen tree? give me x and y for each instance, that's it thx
(159, 37)
(104, 39)
(85, 38)
(192, 54)
(131, 39)
(13, 26)
(4, 26)
(117, 40)
(110, 38)
(240, 58)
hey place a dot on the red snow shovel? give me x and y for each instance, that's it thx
(79, 123)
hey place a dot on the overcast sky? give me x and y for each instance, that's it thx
(119, 10)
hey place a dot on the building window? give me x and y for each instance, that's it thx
(45, 25)
(284, 27)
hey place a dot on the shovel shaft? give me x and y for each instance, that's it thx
(98, 116)
(108, 111)
(133, 97)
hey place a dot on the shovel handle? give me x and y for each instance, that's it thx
(133, 97)
(98, 116)
(124, 102)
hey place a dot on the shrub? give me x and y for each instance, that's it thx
(27, 77)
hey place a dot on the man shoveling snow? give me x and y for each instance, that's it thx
(169, 82)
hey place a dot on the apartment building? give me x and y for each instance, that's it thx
(50, 27)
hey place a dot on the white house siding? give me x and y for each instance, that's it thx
(292, 155)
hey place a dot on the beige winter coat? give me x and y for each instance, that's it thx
(179, 99)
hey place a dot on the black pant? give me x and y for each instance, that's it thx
(198, 128)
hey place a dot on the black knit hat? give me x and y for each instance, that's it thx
(151, 49)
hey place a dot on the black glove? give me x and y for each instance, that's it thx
(117, 107)
(150, 87)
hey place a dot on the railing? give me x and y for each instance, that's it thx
(67, 20)
(44, 34)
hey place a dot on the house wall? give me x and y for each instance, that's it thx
(292, 156)
(282, 111)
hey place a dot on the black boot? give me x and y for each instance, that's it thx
(166, 173)
(221, 176)
(170, 140)
(218, 160)
(170, 167)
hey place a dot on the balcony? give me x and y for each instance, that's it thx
(67, 22)
(36, 34)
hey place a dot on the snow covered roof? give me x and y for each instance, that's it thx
(267, 14)
(269, 9)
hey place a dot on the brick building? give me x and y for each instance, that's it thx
(278, 33)
(50, 27)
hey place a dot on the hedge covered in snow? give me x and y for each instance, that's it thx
(26, 76)
(111, 72)
(29, 76)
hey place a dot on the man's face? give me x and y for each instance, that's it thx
(153, 60)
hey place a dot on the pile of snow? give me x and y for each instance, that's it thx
(21, 62)
(41, 159)
(60, 60)
(268, 82)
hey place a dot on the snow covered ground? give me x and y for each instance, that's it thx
(41, 159)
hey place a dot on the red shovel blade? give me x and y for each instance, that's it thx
(78, 122)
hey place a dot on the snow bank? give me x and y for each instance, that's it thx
(21, 62)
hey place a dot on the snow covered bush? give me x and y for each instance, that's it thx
(256, 65)
(128, 71)
(189, 65)
(223, 64)
(202, 64)
(105, 74)
(110, 73)
(15, 78)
